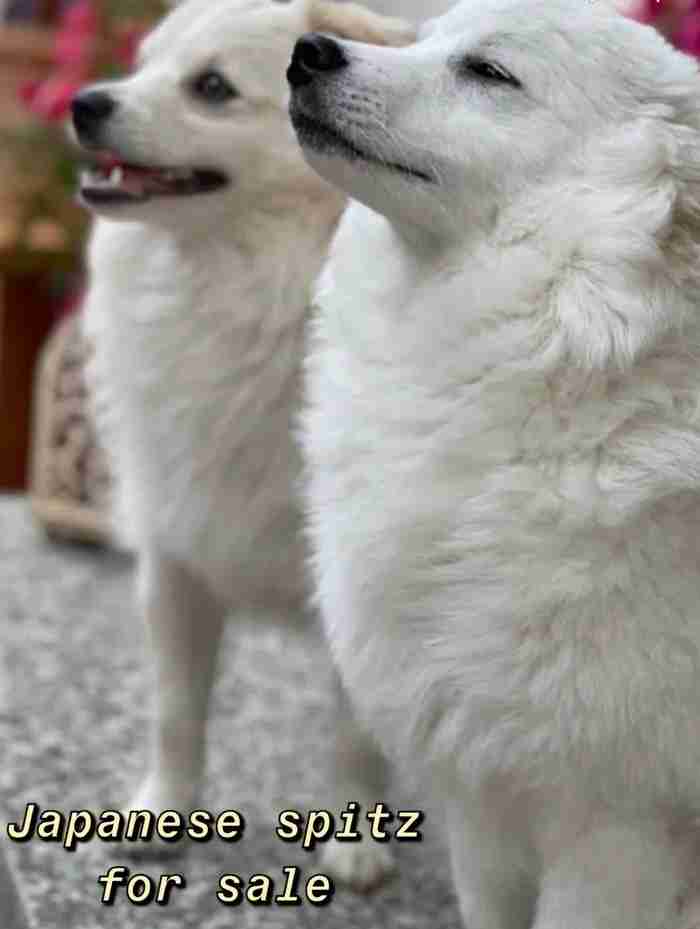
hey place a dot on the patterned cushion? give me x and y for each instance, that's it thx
(70, 482)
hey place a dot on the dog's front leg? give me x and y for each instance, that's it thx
(359, 774)
(492, 866)
(183, 622)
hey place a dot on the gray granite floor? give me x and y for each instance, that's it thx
(73, 704)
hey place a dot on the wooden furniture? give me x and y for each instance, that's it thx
(70, 484)
(26, 313)
(25, 321)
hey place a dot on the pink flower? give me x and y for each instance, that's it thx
(75, 51)
(656, 11)
(28, 91)
(51, 99)
(647, 11)
(678, 20)
(687, 35)
(128, 46)
(81, 17)
(76, 38)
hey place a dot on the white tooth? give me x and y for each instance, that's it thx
(92, 178)
(117, 176)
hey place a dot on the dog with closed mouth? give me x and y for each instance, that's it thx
(210, 230)
(502, 433)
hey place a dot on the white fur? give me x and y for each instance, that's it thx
(416, 10)
(503, 440)
(196, 310)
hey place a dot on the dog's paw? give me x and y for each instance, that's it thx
(156, 796)
(157, 793)
(359, 865)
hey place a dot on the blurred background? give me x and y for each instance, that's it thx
(48, 49)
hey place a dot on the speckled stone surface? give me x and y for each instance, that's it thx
(74, 699)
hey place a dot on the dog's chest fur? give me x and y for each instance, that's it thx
(506, 554)
(196, 367)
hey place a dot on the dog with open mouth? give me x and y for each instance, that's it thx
(210, 231)
(112, 182)
(502, 434)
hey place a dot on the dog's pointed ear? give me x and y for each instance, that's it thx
(628, 242)
(358, 24)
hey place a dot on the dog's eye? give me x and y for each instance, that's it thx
(212, 87)
(489, 71)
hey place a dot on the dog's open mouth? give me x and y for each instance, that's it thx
(323, 139)
(112, 181)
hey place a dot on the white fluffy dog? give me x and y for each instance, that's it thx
(503, 438)
(212, 230)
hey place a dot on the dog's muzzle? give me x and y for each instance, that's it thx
(318, 121)
(314, 54)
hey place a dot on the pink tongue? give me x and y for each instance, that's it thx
(135, 180)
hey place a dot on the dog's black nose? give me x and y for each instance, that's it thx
(314, 53)
(90, 108)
